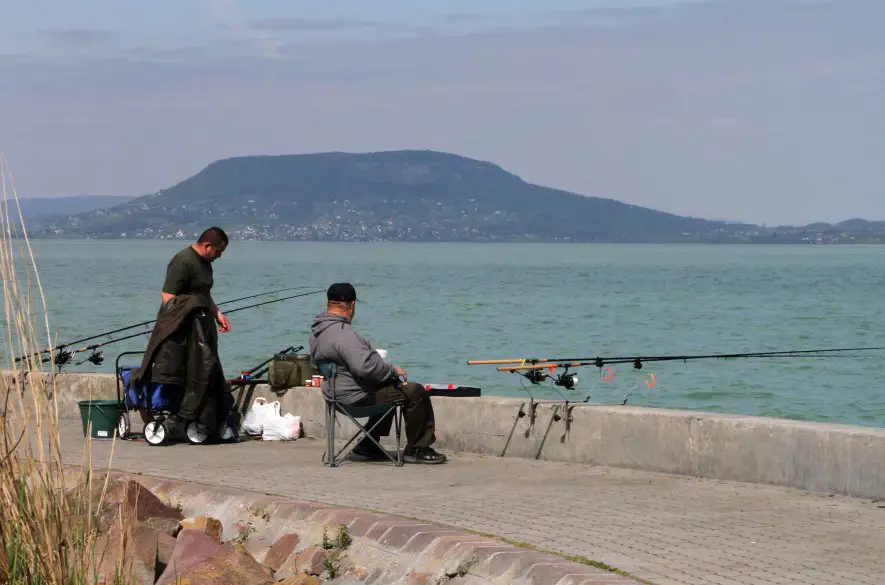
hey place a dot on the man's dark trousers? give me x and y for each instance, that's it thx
(417, 414)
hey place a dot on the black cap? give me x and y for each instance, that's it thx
(342, 292)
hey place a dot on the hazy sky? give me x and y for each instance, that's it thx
(756, 110)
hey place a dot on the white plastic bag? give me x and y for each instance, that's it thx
(281, 427)
(253, 422)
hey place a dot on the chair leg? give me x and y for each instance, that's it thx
(362, 431)
(398, 419)
(366, 432)
(331, 459)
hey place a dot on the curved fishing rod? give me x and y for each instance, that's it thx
(61, 346)
(64, 357)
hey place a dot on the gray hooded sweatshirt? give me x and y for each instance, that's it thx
(361, 371)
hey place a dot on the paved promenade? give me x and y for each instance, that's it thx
(666, 529)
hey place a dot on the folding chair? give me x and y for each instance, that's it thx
(329, 370)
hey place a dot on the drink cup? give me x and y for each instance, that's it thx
(317, 381)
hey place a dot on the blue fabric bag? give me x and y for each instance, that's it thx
(138, 399)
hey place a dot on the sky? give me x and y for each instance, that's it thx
(767, 111)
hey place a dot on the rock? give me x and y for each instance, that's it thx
(281, 550)
(301, 579)
(136, 563)
(358, 573)
(207, 524)
(192, 547)
(134, 498)
(229, 564)
(169, 526)
(165, 548)
(243, 530)
(309, 561)
(420, 578)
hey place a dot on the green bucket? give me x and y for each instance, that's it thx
(104, 415)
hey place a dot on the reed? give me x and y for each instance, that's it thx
(50, 532)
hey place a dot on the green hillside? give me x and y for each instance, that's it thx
(385, 196)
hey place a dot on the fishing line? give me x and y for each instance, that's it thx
(532, 369)
(637, 361)
(61, 346)
(64, 356)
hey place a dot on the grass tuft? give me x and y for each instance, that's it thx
(50, 532)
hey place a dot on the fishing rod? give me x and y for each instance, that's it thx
(142, 324)
(537, 370)
(250, 376)
(64, 356)
(533, 369)
(637, 361)
(314, 292)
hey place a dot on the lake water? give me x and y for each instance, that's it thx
(435, 306)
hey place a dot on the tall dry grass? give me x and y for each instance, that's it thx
(49, 527)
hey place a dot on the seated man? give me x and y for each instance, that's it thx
(365, 379)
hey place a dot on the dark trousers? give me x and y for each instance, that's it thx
(417, 413)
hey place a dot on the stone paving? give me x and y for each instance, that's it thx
(665, 529)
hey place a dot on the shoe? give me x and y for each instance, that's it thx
(369, 450)
(422, 455)
(176, 428)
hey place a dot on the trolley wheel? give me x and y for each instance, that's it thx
(196, 433)
(155, 433)
(124, 427)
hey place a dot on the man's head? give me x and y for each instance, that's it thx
(211, 244)
(341, 299)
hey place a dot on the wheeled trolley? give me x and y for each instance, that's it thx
(155, 403)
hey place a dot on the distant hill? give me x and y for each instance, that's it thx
(404, 195)
(62, 206)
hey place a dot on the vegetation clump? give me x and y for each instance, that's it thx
(50, 528)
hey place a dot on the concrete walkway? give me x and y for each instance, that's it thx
(665, 529)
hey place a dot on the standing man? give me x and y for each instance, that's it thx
(183, 348)
(365, 379)
(190, 271)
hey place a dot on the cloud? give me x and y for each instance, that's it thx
(463, 17)
(190, 53)
(769, 114)
(227, 13)
(77, 37)
(310, 24)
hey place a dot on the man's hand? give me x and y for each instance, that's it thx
(401, 373)
(223, 323)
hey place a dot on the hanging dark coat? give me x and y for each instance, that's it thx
(183, 352)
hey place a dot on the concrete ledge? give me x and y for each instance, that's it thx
(820, 457)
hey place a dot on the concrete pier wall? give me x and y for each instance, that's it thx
(819, 457)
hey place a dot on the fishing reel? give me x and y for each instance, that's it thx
(568, 380)
(63, 357)
(534, 376)
(96, 358)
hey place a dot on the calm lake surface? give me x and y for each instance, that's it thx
(435, 306)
